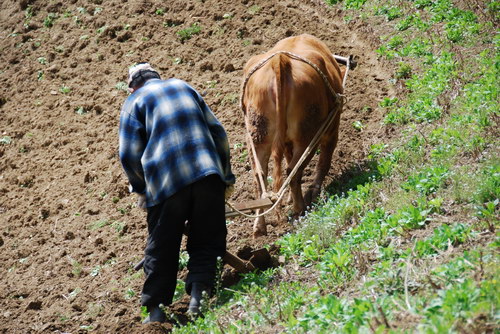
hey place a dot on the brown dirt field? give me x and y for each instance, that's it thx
(70, 232)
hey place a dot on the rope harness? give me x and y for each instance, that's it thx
(339, 102)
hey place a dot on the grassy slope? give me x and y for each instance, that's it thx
(410, 243)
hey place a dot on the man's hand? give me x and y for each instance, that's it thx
(229, 191)
(141, 201)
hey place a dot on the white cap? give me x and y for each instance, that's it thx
(134, 70)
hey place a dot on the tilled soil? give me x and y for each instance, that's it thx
(70, 231)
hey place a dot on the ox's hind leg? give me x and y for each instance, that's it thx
(263, 152)
(299, 206)
(288, 158)
(327, 146)
(260, 226)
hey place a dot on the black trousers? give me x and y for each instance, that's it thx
(201, 204)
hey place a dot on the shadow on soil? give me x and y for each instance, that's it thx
(353, 176)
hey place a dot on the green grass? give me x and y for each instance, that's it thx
(409, 243)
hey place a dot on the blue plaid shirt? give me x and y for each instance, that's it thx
(169, 138)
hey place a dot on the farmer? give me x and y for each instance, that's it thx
(176, 156)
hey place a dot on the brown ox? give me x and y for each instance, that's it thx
(285, 102)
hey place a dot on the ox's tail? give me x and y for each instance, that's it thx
(280, 64)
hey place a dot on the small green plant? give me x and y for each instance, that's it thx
(80, 110)
(95, 271)
(102, 29)
(427, 181)
(42, 60)
(183, 260)
(123, 211)
(48, 22)
(88, 328)
(231, 98)
(243, 156)
(122, 86)
(354, 4)
(358, 125)
(390, 12)
(129, 293)
(189, 32)
(77, 21)
(212, 83)
(253, 10)
(29, 12)
(405, 23)
(65, 89)
(5, 140)
(180, 289)
(388, 102)
(144, 313)
(98, 224)
(76, 268)
(119, 227)
(160, 11)
(403, 71)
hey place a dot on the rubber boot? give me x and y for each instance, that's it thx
(198, 292)
(156, 314)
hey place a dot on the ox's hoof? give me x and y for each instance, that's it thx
(311, 195)
(260, 232)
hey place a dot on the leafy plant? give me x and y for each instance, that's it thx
(65, 89)
(183, 260)
(5, 140)
(42, 60)
(129, 293)
(390, 12)
(29, 12)
(403, 71)
(122, 86)
(427, 181)
(254, 9)
(80, 110)
(98, 224)
(354, 4)
(357, 125)
(48, 22)
(76, 268)
(189, 32)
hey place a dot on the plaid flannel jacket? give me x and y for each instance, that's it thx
(169, 138)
